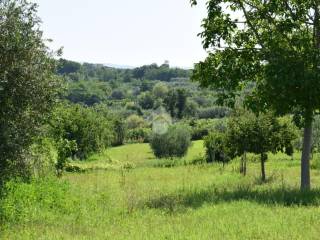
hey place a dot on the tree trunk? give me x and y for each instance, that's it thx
(263, 170)
(243, 164)
(305, 157)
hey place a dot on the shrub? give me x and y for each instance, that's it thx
(160, 90)
(65, 148)
(133, 107)
(119, 132)
(215, 146)
(135, 121)
(174, 143)
(191, 109)
(138, 135)
(202, 127)
(213, 112)
(42, 158)
(87, 127)
(315, 162)
(146, 100)
(117, 94)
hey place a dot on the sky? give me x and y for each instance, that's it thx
(125, 32)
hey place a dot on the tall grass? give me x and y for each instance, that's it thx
(150, 202)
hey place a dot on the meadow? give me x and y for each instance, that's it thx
(186, 200)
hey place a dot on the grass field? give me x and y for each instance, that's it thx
(185, 201)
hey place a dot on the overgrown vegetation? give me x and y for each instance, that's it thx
(120, 140)
(173, 143)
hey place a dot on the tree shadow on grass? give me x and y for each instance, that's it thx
(196, 198)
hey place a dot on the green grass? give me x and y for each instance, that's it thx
(181, 202)
(137, 155)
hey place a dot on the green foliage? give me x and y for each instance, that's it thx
(135, 121)
(67, 67)
(23, 202)
(316, 134)
(43, 158)
(65, 149)
(213, 112)
(215, 144)
(260, 135)
(160, 90)
(119, 130)
(146, 100)
(138, 135)
(315, 163)
(162, 73)
(87, 127)
(202, 127)
(134, 107)
(186, 195)
(117, 94)
(75, 71)
(28, 86)
(174, 143)
(88, 92)
(175, 102)
(282, 70)
(289, 134)
(191, 109)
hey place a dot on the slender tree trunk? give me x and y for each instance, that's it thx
(263, 169)
(243, 164)
(305, 157)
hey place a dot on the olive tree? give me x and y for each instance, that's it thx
(27, 83)
(173, 143)
(271, 45)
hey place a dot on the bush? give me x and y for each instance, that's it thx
(160, 90)
(135, 108)
(146, 100)
(138, 135)
(174, 143)
(135, 121)
(202, 127)
(87, 127)
(42, 158)
(117, 94)
(215, 147)
(213, 112)
(119, 132)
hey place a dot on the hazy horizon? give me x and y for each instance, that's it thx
(124, 32)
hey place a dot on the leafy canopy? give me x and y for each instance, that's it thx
(28, 85)
(273, 44)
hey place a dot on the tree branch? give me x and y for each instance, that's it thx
(249, 23)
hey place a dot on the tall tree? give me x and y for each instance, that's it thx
(27, 82)
(181, 102)
(273, 45)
